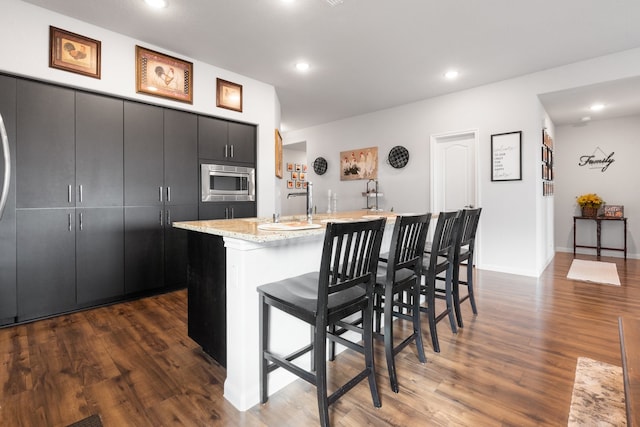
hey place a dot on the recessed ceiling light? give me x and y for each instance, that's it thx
(596, 107)
(302, 66)
(586, 118)
(158, 4)
(451, 74)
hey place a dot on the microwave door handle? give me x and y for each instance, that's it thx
(7, 167)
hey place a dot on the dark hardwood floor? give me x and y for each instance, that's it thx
(513, 364)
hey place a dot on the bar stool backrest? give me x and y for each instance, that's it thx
(470, 219)
(407, 244)
(349, 260)
(444, 240)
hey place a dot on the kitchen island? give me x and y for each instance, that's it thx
(228, 260)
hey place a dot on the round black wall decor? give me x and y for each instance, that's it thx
(320, 165)
(398, 157)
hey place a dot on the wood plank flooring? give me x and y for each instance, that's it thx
(512, 365)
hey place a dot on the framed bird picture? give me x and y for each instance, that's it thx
(162, 75)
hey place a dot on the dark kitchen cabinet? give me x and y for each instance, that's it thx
(99, 150)
(226, 210)
(143, 155)
(99, 254)
(175, 244)
(226, 142)
(143, 248)
(180, 157)
(46, 262)
(46, 146)
(242, 138)
(8, 295)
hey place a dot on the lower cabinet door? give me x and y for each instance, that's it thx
(143, 248)
(175, 245)
(100, 254)
(46, 267)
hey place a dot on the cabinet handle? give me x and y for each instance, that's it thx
(168, 194)
(232, 214)
(80, 193)
(226, 213)
(80, 221)
(168, 216)
(69, 193)
(69, 215)
(231, 150)
(161, 223)
(160, 193)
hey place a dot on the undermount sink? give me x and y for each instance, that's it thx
(287, 226)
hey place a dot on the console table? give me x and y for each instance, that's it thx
(598, 247)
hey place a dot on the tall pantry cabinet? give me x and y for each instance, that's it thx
(69, 199)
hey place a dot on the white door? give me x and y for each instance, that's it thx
(453, 171)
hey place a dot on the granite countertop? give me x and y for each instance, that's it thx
(248, 228)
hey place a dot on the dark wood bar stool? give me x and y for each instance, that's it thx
(438, 259)
(464, 255)
(343, 287)
(398, 273)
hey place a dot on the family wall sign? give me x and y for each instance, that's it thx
(598, 160)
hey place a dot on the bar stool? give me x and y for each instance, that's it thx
(343, 287)
(439, 259)
(464, 253)
(400, 273)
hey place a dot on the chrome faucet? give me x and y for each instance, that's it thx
(309, 195)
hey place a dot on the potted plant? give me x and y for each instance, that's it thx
(589, 203)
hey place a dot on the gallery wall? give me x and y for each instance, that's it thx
(616, 139)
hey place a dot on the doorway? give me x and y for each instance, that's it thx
(454, 170)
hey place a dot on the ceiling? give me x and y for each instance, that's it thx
(368, 55)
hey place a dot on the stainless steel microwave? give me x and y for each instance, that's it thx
(227, 183)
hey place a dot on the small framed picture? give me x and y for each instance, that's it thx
(298, 184)
(294, 175)
(613, 211)
(298, 167)
(304, 167)
(302, 176)
(290, 185)
(73, 52)
(289, 167)
(228, 95)
(304, 185)
(162, 75)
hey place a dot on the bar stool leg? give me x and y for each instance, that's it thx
(264, 342)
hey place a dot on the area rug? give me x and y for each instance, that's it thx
(92, 421)
(598, 395)
(594, 271)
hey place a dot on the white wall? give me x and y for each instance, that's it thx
(516, 228)
(25, 52)
(615, 185)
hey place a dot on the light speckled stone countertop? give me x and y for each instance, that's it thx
(247, 228)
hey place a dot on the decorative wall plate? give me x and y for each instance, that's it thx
(398, 157)
(320, 165)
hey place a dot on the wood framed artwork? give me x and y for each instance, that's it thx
(613, 211)
(228, 95)
(361, 163)
(506, 156)
(278, 148)
(162, 75)
(73, 52)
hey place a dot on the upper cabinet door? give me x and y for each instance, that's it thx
(242, 140)
(143, 155)
(180, 157)
(99, 151)
(213, 139)
(46, 147)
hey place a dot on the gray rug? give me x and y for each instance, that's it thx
(598, 395)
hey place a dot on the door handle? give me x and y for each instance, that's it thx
(7, 167)
(80, 193)
(168, 194)
(160, 193)
(231, 150)
(81, 225)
